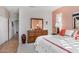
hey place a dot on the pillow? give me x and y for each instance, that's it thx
(62, 32)
(75, 33)
(69, 33)
(77, 36)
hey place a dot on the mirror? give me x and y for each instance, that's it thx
(36, 23)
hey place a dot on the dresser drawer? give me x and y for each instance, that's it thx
(31, 39)
(45, 32)
(32, 35)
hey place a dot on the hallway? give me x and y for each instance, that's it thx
(10, 46)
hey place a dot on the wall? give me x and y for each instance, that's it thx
(12, 30)
(26, 13)
(17, 25)
(6, 15)
(3, 29)
(3, 25)
(66, 18)
(4, 12)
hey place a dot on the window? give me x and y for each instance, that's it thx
(58, 23)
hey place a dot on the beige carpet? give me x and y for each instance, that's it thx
(26, 48)
(10, 46)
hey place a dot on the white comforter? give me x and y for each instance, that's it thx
(41, 45)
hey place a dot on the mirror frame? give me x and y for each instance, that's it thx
(36, 19)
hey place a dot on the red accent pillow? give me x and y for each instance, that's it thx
(62, 32)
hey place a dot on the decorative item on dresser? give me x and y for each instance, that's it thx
(33, 34)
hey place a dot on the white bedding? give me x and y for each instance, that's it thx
(41, 45)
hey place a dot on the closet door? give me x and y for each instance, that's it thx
(3, 29)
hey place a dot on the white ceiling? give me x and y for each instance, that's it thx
(14, 9)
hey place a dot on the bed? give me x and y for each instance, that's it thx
(56, 44)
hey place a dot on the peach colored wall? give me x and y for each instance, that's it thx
(67, 19)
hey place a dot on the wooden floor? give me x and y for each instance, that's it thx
(10, 46)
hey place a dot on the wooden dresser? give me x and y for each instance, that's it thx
(33, 34)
